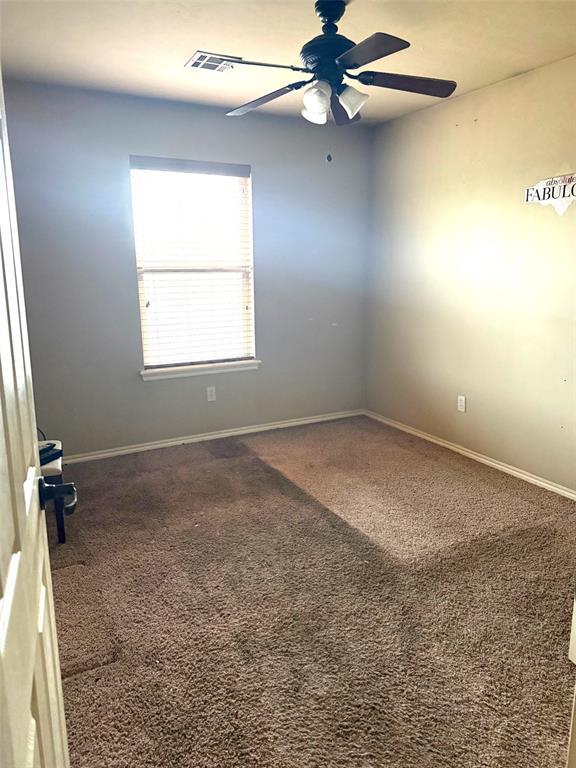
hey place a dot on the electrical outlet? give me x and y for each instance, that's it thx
(211, 394)
(461, 403)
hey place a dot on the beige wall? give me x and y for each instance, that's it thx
(474, 292)
(70, 153)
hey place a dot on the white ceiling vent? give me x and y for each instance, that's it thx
(212, 61)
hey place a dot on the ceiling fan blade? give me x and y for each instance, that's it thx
(249, 106)
(428, 86)
(339, 113)
(374, 47)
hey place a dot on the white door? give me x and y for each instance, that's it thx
(32, 728)
(571, 762)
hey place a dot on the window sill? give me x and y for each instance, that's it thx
(204, 369)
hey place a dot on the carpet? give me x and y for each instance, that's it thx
(86, 635)
(336, 595)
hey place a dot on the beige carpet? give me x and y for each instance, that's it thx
(87, 637)
(333, 595)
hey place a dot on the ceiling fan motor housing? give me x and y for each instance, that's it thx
(319, 55)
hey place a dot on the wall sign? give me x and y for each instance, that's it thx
(559, 192)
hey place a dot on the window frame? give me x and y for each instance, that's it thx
(206, 367)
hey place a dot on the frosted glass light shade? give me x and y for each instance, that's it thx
(352, 100)
(317, 97)
(320, 118)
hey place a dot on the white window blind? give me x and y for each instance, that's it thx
(193, 237)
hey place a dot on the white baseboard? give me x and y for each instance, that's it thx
(138, 448)
(510, 470)
(562, 490)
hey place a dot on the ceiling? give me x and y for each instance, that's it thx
(141, 47)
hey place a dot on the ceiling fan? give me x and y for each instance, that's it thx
(328, 59)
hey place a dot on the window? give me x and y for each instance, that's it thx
(193, 237)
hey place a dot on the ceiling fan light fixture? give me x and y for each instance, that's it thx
(316, 101)
(352, 100)
(319, 118)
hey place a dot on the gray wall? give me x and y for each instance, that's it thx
(472, 291)
(70, 153)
